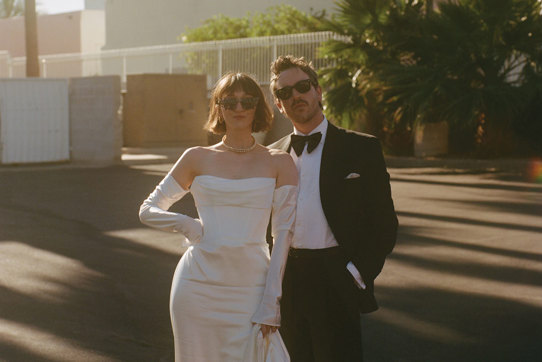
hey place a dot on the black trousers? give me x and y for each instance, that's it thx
(320, 315)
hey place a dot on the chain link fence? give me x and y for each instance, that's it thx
(213, 58)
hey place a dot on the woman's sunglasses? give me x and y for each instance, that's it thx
(231, 102)
(303, 86)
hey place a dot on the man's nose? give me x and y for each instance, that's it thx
(295, 93)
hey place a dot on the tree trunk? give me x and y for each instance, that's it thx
(429, 7)
(31, 37)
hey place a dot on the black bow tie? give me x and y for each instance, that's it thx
(298, 142)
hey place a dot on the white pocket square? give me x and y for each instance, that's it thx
(351, 176)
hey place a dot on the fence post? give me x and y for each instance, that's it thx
(170, 63)
(219, 61)
(274, 50)
(44, 67)
(124, 68)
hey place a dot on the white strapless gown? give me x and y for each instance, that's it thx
(219, 283)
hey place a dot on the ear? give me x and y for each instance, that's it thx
(318, 90)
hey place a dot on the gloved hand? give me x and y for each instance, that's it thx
(153, 211)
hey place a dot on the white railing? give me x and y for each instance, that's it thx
(251, 55)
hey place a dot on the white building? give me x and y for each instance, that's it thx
(108, 25)
(135, 23)
(72, 32)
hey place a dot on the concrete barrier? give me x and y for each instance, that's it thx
(165, 110)
(95, 124)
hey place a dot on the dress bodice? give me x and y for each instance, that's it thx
(235, 214)
(233, 211)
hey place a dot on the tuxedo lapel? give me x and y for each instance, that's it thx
(329, 163)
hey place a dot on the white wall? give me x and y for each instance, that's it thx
(95, 4)
(92, 39)
(134, 23)
(92, 31)
(73, 32)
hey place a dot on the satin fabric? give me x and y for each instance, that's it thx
(220, 282)
(268, 349)
(153, 211)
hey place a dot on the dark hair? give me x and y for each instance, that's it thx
(285, 62)
(229, 83)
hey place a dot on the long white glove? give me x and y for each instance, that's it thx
(282, 224)
(153, 212)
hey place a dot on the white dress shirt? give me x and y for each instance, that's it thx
(311, 228)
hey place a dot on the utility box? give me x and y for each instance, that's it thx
(164, 110)
(431, 139)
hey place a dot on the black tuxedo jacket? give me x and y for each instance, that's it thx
(359, 210)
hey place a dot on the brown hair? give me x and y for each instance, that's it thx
(229, 83)
(285, 62)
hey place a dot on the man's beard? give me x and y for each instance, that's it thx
(307, 117)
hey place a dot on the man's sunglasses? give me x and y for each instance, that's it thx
(231, 102)
(303, 86)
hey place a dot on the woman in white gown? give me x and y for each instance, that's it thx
(226, 283)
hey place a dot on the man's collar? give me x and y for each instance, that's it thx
(322, 128)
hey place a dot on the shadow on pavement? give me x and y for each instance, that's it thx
(468, 221)
(410, 236)
(82, 279)
(435, 324)
(445, 297)
(70, 281)
(488, 186)
(528, 207)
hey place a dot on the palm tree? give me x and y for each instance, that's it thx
(31, 36)
(10, 8)
(353, 90)
(473, 63)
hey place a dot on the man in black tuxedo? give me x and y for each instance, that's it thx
(345, 225)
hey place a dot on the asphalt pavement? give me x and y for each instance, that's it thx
(82, 280)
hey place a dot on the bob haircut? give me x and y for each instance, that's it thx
(229, 83)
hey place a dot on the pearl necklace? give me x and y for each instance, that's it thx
(239, 150)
